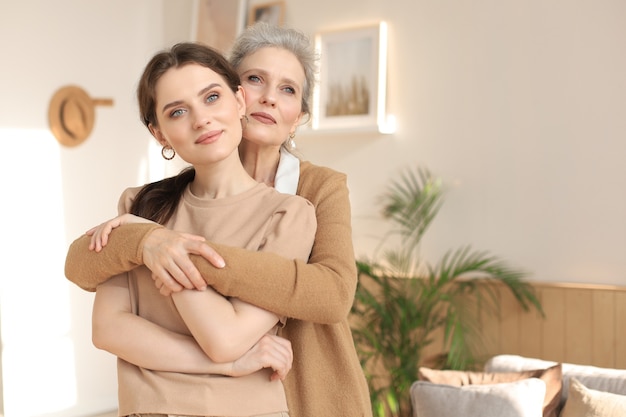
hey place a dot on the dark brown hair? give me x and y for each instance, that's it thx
(158, 201)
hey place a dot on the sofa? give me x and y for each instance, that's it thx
(517, 386)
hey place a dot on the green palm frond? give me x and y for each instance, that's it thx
(402, 301)
(412, 202)
(465, 263)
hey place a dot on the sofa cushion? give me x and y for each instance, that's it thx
(522, 398)
(601, 379)
(551, 376)
(586, 402)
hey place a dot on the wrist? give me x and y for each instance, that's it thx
(230, 369)
(144, 230)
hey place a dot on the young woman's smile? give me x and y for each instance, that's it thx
(197, 108)
(209, 137)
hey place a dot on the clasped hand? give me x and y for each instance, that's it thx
(165, 253)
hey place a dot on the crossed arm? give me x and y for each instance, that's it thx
(320, 291)
(148, 345)
(224, 329)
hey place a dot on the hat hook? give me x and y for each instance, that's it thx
(71, 114)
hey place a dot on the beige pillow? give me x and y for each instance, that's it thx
(601, 379)
(551, 376)
(511, 399)
(586, 402)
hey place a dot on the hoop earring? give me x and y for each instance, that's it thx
(292, 143)
(168, 153)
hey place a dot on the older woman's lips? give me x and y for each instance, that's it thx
(264, 118)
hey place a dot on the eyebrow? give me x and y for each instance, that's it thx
(200, 94)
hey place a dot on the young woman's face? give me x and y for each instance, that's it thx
(198, 114)
(273, 79)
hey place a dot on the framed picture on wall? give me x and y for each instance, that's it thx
(217, 22)
(267, 11)
(351, 91)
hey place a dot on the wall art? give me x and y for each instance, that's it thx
(351, 92)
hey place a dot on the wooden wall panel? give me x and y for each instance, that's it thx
(583, 324)
(553, 331)
(509, 322)
(578, 326)
(432, 351)
(620, 330)
(603, 341)
(531, 333)
(490, 322)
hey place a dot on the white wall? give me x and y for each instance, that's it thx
(519, 106)
(52, 194)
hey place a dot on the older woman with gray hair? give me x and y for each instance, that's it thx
(277, 70)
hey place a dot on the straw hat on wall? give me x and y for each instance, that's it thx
(71, 114)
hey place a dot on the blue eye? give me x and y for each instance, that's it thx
(290, 90)
(212, 97)
(177, 113)
(254, 79)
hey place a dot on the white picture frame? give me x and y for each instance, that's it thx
(351, 92)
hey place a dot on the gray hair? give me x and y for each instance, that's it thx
(262, 35)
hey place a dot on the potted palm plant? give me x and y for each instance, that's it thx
(402, 302)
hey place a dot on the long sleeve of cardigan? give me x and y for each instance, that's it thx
(320, 291)
(88, 269)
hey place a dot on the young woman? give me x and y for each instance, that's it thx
(277, 70)
(191, 100)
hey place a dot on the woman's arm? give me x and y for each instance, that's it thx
(227, 328)
(88, 269)
(87, 265)
(321, 291)
(117, 330)
(224, 328)
(176, 245)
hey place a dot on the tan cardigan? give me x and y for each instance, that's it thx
(326, 378)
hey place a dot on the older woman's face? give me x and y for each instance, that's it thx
(273, 79)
